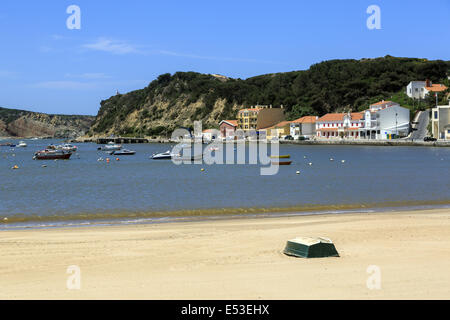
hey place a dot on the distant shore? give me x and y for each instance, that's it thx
(234, 259)
(391, 143)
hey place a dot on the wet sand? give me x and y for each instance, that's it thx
(233, 259)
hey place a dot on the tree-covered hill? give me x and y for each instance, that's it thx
(336, 85)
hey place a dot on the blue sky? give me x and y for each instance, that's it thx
(123, 45)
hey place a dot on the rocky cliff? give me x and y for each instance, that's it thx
(20, 123)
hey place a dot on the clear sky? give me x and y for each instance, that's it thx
(123, 45)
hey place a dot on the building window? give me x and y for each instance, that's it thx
(436, 115)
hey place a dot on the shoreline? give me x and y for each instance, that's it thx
(95, 220)
(234, 259)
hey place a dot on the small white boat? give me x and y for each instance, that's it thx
(21, 144)
(67, 147)
(111, 146)
(123, 152)
(168, 155)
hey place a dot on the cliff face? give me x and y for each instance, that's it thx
(26, 124)
(339, 85)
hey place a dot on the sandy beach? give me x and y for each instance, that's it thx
(233, 259)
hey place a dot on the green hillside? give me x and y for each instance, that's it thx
(336, 85)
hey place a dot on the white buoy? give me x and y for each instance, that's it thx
(298, 172)
(331, 159)
(310, 163)
(343, 161)
(5, 219)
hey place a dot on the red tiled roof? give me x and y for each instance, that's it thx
(340, 116)
(232, 122)
(380, 103)
(307, 119)
(436, 88)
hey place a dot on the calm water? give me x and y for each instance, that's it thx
(136, 186)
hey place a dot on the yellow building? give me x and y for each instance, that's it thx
(259, 117)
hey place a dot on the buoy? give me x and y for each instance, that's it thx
(117, 159)
(310, 163)
(298, 172)
(343, 161)
(202, 169)
(15, 167)
(5, 219)
(304, 157)
(44, 166)
(331, 159)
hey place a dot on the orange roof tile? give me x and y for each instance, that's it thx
(436, 88)
(232, 122)
(307, 119)
(340, 116)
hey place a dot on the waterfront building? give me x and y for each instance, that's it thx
(259, 117)
(440, 122)
(339, 125)
(304, 126)
(228, 128)
(383, 120)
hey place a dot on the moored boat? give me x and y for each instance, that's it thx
(281, 156)
(111, 146)
(49, 154)
(168, 155)
(123, 152)
(67, 147)
(22, 144)
(282, 163)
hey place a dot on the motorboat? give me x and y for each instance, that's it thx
(67, 147)
(123, 152)
(21, 144)
(168, 155)
(49, 154)
(111, 146)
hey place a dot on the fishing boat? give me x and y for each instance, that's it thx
(281, 156)
(282, 163)
(123, 152)
(49, 154)
(21, 144)
(111, 146)
(168, 155)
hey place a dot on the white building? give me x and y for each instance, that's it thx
(381, 121)
(384, 119)
(420, 89)
(440, 122)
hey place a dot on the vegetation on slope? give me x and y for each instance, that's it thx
(331, 86)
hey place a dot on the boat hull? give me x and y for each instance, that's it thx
(41, 156)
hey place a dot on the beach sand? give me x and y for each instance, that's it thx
(233, 259)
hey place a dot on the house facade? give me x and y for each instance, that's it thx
(440, 122)
(384, 120)
(339, 125)
(227, 128)
(259, 117)
(303, 127)
(420, 89)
